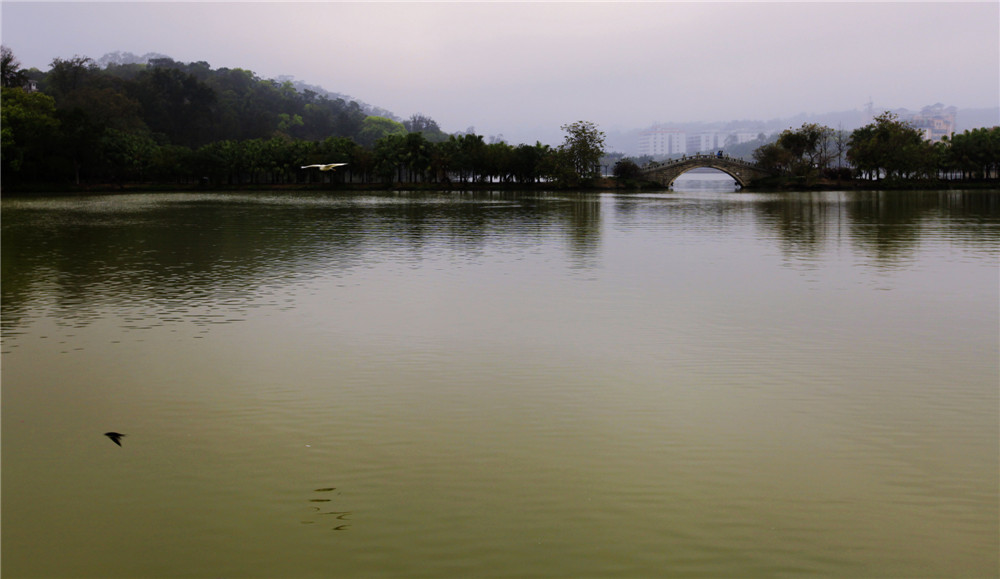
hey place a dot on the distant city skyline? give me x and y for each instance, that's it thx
(665, 139)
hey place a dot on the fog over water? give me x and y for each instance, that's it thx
(523, 69)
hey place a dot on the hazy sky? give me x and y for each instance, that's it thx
(526, 68)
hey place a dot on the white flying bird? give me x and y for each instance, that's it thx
(329, 167)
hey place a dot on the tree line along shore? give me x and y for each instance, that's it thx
(168, 125)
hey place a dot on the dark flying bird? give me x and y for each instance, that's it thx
(116, 437)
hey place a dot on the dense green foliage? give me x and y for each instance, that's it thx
(171, 122)
(626, 170)
(10, 69)
(887, 148)
(974, 154)
(808, 152)
(892, 149)
(583, 148)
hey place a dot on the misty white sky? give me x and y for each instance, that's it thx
(524, 69)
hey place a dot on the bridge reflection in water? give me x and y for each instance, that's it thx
(743, 172)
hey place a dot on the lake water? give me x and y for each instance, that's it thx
(695, 383)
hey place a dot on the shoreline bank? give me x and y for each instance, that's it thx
(604, 184)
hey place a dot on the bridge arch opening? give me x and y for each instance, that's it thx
(705, 179)
(667, 172)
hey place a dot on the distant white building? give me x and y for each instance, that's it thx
(711, 142)
(935, 122)
(659, 141)
(705, 142)
(738, 138)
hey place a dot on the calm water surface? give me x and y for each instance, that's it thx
(697, 384)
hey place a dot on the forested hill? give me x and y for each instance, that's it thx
(163, 121)
(192, 104)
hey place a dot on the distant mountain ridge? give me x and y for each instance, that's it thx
(119, 57)
(303, 87)
(626, 140)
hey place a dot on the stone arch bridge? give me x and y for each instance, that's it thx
(742, 171)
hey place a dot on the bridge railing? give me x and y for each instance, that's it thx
(654, 165)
